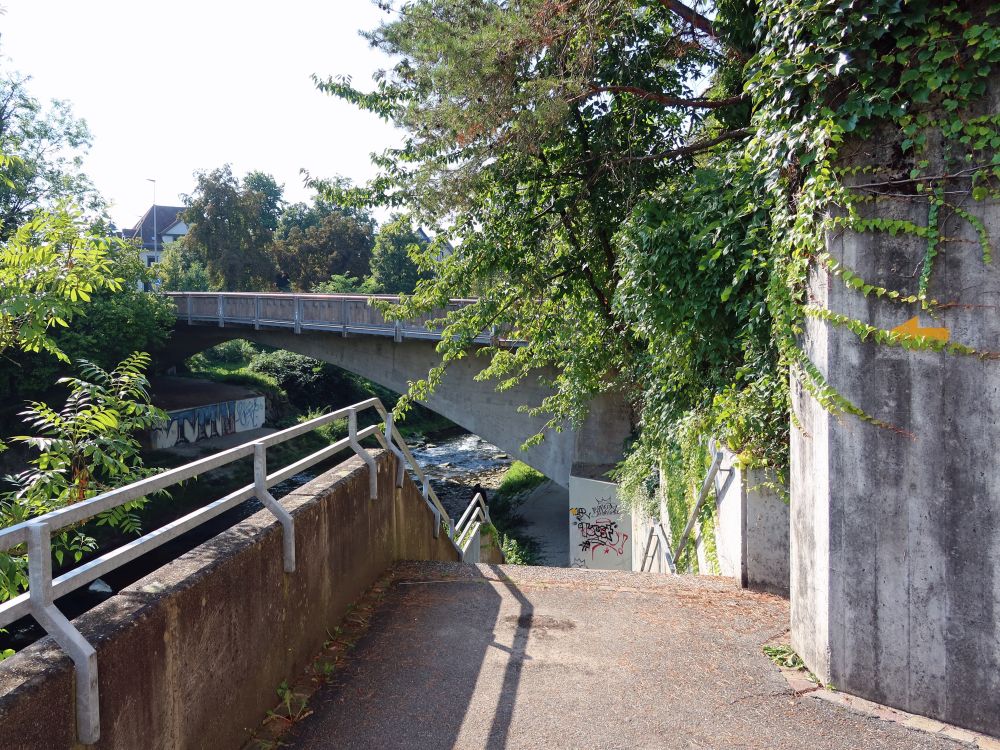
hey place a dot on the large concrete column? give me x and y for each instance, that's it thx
(895, 532)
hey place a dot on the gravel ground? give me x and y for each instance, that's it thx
(519, 657)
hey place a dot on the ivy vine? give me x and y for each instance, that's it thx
(832, 74)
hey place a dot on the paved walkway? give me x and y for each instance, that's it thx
(515, 657)
(546, 516)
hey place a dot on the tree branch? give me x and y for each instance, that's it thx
(673, 101)
(692, 148)
(690, 15)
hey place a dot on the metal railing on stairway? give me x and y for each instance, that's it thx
(34, 535)
(469, 529)
(658, 537)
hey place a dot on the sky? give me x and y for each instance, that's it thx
(169, 88)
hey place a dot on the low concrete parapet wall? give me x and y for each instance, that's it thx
(752, 526)
(191, 655)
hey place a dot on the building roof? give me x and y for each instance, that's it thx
(447, 250)
(166, 217)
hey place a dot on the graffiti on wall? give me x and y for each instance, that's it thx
(211, 420)
(601, 535)
(599, 530)
(249, 414)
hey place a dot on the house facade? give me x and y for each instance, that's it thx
(157, 228)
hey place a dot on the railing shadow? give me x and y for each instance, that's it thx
(500, 728)
(416, 679)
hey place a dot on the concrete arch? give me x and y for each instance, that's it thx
(475, 405)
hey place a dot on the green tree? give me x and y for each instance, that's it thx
(49, 268)
(313, 243)
(116, 321)
(346, 284)
(180, 270)
(309, 383)
(638, 190)
(534, 132)
(393, 269)
(269, 197)
(230, 227)
(85, 448)
(49, 144)
(51, 258)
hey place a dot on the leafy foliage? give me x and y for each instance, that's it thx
(309, 383)
(346, 284)
(828, 77)
(49, 268)
(85, 448)
(231, 223)
(314, 243)
(181, 270)
(48, 145)
(518, 147)
(117, 320)
(393, 270)
(648, 239)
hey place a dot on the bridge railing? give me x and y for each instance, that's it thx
(34, 536)
(340, 313)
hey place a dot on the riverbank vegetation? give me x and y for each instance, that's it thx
(296, 384)
(64, 295)
(518, 548)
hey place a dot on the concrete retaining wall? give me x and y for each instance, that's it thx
(751, 531)
(190, 656)
(751, 537)
(208, 421)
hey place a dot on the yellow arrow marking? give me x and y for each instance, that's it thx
(912, 327)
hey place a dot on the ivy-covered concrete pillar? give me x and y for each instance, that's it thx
(895, 515)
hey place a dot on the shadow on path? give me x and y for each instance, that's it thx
(409, 680)
(496, 657)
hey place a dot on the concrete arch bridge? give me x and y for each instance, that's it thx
(347, 331)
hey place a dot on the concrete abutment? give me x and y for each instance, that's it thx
(895, 528)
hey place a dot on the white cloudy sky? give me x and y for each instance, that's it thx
(171, 87)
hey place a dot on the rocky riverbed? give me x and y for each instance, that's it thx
(457, 465)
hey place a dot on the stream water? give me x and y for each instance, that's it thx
(455, 466)
(458, 465)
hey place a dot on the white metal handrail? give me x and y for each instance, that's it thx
(468, 530)
(660, 535)
(35, 534)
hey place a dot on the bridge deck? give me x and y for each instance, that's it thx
(346, 314)
(512, 657)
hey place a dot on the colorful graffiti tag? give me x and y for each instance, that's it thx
(601, 535)
(597, 526)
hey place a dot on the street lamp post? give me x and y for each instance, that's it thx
(149, 179)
